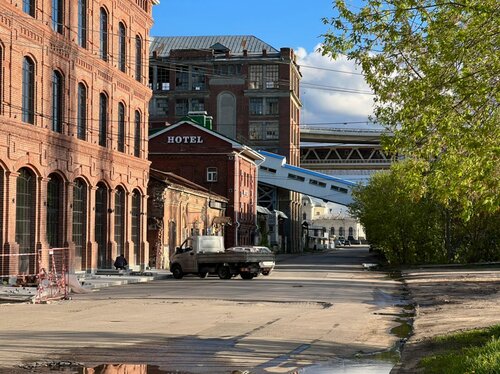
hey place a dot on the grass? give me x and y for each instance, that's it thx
(469, 352)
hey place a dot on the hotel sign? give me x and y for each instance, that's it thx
(185, 139)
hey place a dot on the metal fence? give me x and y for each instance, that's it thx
(47, 270)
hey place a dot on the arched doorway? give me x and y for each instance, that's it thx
(25, 220)
(101, 226)
(80, 224)
(54, 227)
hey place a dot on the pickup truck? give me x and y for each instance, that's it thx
(203, 255)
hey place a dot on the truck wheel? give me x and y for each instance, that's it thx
(202, 274)
(224, 272)
(246, 275)
(265, 272)
(177, 271)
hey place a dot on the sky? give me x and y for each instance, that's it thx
(281, 23)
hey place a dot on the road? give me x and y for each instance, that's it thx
(311, 310)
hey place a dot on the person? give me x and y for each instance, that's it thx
(120, 262)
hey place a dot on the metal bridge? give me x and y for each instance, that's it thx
(342, 149)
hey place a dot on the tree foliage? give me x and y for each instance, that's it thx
(434, 67)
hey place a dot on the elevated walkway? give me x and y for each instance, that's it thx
(274, 171)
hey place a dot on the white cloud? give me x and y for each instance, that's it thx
(321, 89)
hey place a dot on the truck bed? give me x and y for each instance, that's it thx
(234, 257)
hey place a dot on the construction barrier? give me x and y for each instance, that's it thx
(47, 270)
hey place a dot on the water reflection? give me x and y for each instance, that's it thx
(349, 367)
(127, 369)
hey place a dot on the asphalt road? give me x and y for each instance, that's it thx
(312, 310)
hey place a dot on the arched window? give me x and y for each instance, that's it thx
(136, 225)
(25, 219)
(341, 231)
(137, 134)
(121, 127)
(122, 46)
(120, 219)
(332, 231)
(103, 34)
(28, 94)
(80, 221)
(138, 58)
(58, 16)
(54, 211)
(103, 119)
(101, 226)
(81, 121)
(82, 23)
(226, 114)
(57, 101)
(351, 231)
(29, 7)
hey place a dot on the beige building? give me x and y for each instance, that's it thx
(178, 208)
(323, 223)
(73, 133)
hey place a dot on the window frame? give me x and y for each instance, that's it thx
(82, 23)
(138, 58)
(103, 119)
(28, 107)
(57, 101)
(212, 174)
(120, 137)
(137, 133)
(122, 47)
(103, 34)
(58, 16)
(81, 120)
(29, 7)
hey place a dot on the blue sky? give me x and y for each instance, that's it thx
(292, 23)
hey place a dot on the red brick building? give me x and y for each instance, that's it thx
(249, 87)
(73, 131)
(220, 164)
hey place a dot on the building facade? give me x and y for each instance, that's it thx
(73, 133)
(217, 163)
(177, 209)
(249, 87)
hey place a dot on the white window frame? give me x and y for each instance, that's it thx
(212, 174)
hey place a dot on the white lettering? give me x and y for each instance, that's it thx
(185, 139)
(200, 140)
(170, 139)
(178, 139)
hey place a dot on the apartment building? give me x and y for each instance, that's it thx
(73, 133)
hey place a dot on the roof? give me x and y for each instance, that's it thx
(244, 150)
(162, 45)
(174, 179)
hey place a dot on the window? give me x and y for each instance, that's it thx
(82, 112)
(182, 78)
(103, 34)
(341, 231)
(82, 23)
(57, 102)
(255, 76)
(57, 16)
(138, 58)
(264, 130)
(197, 104)
(79, 219)
(228, 70)
(263, 77)
(121, 128)
(197, 78)
(103, 119)
(211, 174)
(181, 107)
(351, 231)
(161, 106)
(28, 95)
(1, 78)
(54, 211)
(296, 177)
(101, 226)
(137, 134)
(263, 106)
(120, 219)
(163, 79)
(25, 225)
(122, 46)
(272, 76)
(136, 225)
(332, 231)
(29, 7)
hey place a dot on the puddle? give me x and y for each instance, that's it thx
(349, 367)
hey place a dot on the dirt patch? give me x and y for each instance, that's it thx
(447, 300)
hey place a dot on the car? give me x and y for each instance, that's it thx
(266, 266)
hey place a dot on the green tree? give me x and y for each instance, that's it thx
(434, 67)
